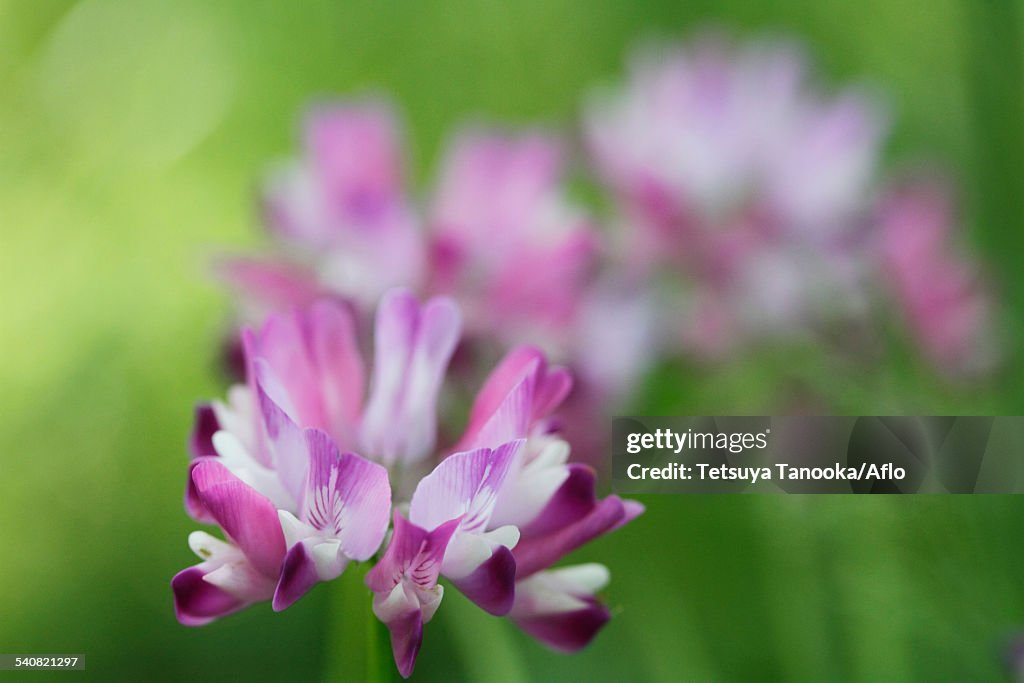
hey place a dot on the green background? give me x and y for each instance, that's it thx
(132, 134)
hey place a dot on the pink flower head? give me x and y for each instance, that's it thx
(707, 132)
(732, 170)
(341, 211)
(506, 239)
(301, 473)
(938, 290)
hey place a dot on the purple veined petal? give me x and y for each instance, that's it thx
(558, 608)
(348, 497)
(247, 517)
(404, 583)
(196, 602)
(413, 345)
(413, 553)
(534, 553)
(463, 485)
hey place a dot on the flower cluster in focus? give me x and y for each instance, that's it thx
(309, 463)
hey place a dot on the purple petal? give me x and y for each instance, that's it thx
(248, 518)
(534, 553)
(298, 575)
(463, 485)
(284, 345)
(204, 426)
(194, 505)
(573, 501)
(406, 638)
(491, 585)
(200, 443)
(349, 497)
(197, 602)
(566, 631)
(558, 607)
(511, 420)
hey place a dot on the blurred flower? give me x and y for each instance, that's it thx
(341, 214)
(277, 469)
(506, 240)
(732, 171)
(940, 293)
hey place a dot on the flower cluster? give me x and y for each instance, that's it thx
(304, 474)
(757, 196)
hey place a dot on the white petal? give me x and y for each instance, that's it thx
(211, 548)
(294, 529)
(329, 560)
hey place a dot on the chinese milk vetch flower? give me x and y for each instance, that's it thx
(341, 215)
(942, 297)
(730, 168)
(302, 472)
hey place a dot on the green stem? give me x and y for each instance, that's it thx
(484, 642)
(358, 648)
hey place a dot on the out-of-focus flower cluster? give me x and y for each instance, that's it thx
(745, 208)
(748, 210)
(758, 197)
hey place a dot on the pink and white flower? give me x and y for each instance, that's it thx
(302, 473)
